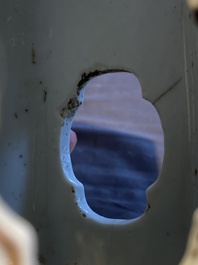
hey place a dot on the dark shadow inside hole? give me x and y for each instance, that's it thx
(116, 164)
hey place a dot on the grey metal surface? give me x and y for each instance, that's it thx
(45, 47)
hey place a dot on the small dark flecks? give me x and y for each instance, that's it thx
(26, 110)
(45, 96)
(84, 215)
(73, 191)
(86, 77)
(195, 172)
(192, 64)
(168, 234)
(24, 164)
(16, 115)
(33, 53)
(5, 164)
(21, 156)
(9, 144)
(63, 110)
(40, 82)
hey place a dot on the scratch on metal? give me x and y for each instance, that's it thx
(169, 89)
(186, 77)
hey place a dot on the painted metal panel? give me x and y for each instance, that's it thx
(48, 51)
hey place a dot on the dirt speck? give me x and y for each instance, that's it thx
(45, 96)
(16, 115)
(33, 56)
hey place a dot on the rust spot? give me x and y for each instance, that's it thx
(72, 106)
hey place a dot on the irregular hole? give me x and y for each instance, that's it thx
(120, 146)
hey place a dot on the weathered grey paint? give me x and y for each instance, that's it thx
(45, 47)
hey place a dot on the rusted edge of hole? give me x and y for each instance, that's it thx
(85, 77)
(72, 106)
(69, 110)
